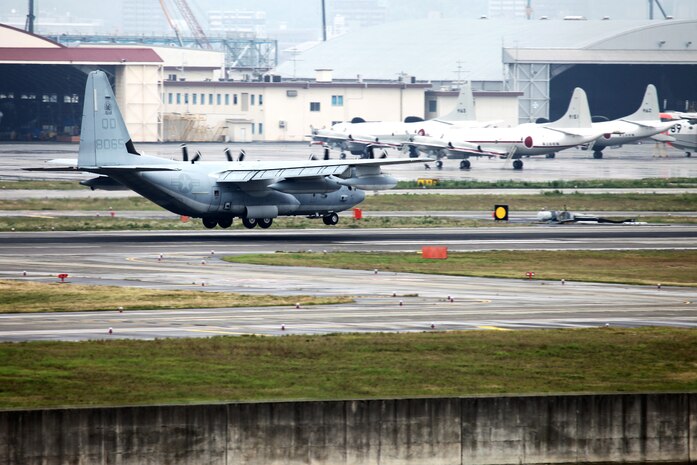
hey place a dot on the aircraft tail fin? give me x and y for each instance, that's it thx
(104, 139)
(649, 107)
(464, 107)
(578, 115)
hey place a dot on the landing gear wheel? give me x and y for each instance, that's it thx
(342, 156)
(249, 223)
(517, 164)
(439, 164)
(551, 155)
(330, 219)
(688, 154)
(465, 165)
(265, 223)
(210, 223)
(225, 221)
(597, 154)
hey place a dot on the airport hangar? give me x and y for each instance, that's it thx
(520, 70)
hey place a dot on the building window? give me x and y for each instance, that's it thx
(291, 93)
(194, 98)
(203, 99)
(252, 128)
(337, 100)
(227, 99)
(261, 128)
(217, 99)
(261, 102)
(179, 98)
(170, 98)
(251, 99)
(210, 99)
(234, 99)
(432, 106)
(314, 106)
(186, 98)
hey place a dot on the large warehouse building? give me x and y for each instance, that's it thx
(520, 70)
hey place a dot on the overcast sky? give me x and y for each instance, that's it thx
(306, 13)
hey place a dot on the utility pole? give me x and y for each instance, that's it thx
(324, 23)
(29, 26)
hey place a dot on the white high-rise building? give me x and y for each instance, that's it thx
(510, 9)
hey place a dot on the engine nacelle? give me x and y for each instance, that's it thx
(371, 182)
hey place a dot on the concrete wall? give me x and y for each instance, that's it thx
(641, 428)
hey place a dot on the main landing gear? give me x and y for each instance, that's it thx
(222, 221)
(597, 154)
(264, 223)
(464, 164)
(330, 219)
(517, 164)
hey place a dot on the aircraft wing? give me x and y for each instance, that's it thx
(431, 144)
(266, 171)
(61, 164)
(70, 164)
(567, 132)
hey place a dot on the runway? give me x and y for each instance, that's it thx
(190, 259)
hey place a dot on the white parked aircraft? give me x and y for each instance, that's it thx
(683, 135)
(572, 129)
(361, 137)
(217, 192)
(643, 123)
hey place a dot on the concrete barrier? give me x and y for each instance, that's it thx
(564, 429)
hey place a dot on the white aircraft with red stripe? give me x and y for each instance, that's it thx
(573, 129)
(643, 123)
(361, 137)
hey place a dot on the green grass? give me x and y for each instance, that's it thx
(553, 200)
(39, 185)
(646, 183)
(668, 267)
(32, 297)
(118, 372)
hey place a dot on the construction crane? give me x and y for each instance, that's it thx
(660, 7)
(191, 22)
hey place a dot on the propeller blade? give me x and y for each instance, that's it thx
(241, 155)
(228, 154)
(326, 153)
(197, 157)
(185, 152)
(371, 152)
(312, 157)
(384, 154)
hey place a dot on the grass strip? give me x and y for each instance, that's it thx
(645, 183)
(668, 267)
(31, 297)
(552, 200)
(120, 372)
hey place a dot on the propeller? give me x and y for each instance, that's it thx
(241, 156)
(196, 158)
(371, 152)
(326, 153)
(384, 154)
(228, 154)
(185, 152)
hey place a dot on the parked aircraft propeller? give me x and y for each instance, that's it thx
(185, 152)
(228, 154)
(241, 156)
(326, 153)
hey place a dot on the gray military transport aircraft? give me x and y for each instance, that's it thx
(217, 192)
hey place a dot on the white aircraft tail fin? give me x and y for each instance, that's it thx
(648, 111)
(464, 108)
(104, 139)
(578, 115)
